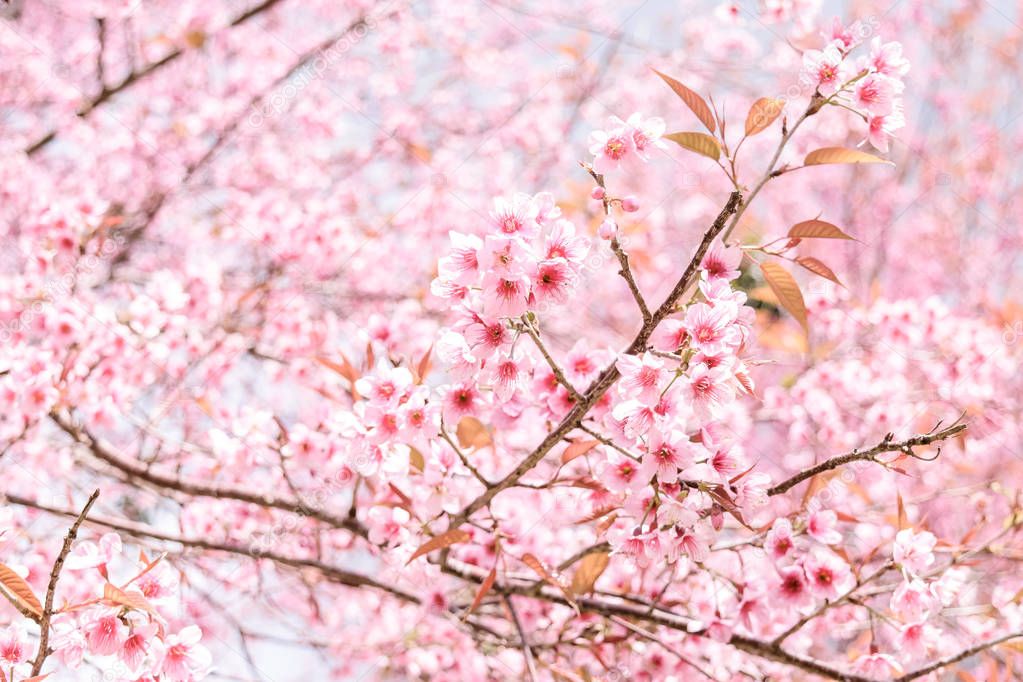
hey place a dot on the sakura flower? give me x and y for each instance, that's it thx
(516, 216)
(915, 639)
(912, 600)
(779, 542)
(387, 526)
(67, 640)
(791, 589)
(622, 474)
(642, 377)
(875, 94)
(640, 547)
(721, 263)
(887, 59)
(461, 265)
(914, 551)
(563, 242)
(461, 400)
(386, 386)
(709, 389)
(820, 525)
(505, 296)
(822, 69)
(708, 326)
(89, 554)
(104, 631)
(636, 417)
(877, 666)
(14, 645)
(646, 133)
(827, 574)
(881, 128)
(666, 455)
(553, 281)
(611, 148)
(185, 659)
(138, 645)
(669, 336)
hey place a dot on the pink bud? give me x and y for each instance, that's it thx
(607, 229)
(630, 204)
(598, 192)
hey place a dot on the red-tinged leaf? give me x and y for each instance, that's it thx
(551, 577)
(602, 511)
(606, 523)
(738, 477)
(695, 103)
(20, 590)
(406, 501)
(442, 541)
(115, 596)
(902, 518)
(485, 586)
(589, 570)
(762, 114)
(841, 155)
(818, 268)
(472, 433)
(817, 229)
(371, 359)
(577, 449)
(701, 143)
(416, 460)
(344, 368)
(848, 518)
(785, 288)
(423, 368)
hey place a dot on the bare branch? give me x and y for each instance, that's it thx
(887, 445)
(51, 588)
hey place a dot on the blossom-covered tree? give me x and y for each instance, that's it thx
(505, 340)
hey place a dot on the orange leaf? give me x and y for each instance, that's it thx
(903, 520)
(841, 155)
(485, 586)
(115, 596)
(472, 433)
(762, 114)
(578, 449)
(416, 460)
(787, 290)
(443, 540)
(423, 368)
(701, 143)
(695, 103)
(589, 570)
(818, 268)
(20, 590)
(552, 578)
(816, 229)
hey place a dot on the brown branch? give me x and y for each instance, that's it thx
(107, 92)
(139, 473)
(887, 445)
(955, 658)
(51, 588)
(609, 375)
(526, 651)
(630, 279)
(141, 531)
(558, 373)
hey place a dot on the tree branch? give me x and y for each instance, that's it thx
(107, 92)
(887, 445)
(609, 375)
(51, 588)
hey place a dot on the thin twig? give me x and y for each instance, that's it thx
(51, 588)
(526, 651)
(887, 445)
(558, 373)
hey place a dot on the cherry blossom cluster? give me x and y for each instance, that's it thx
(870, 84)
(119, 616)
(678, 462)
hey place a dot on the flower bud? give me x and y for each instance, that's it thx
(630, 204)
(597, 193)
(607, 230)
